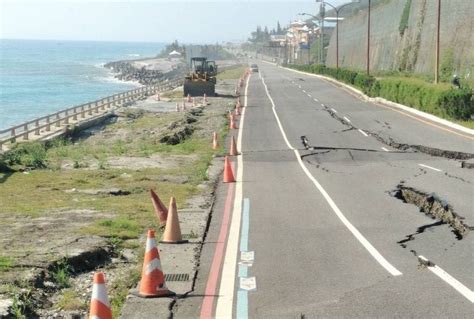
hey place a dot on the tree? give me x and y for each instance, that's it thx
(278, 30)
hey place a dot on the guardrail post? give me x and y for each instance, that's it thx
(37, 131)
(83, 113)
(48, 126)
(96, 109)
(13, 133)
(74, 117)
(58, 119)
(90, 109)
(66, 117)
(25, 128)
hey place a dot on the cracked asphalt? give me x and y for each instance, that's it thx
(307, 262)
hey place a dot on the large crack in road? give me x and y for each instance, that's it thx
(456, 155)
(434, 207)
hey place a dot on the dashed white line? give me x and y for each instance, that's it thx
(323, 105)
(450, 280)
(309, 95)
(334, 110)
(362, 132)
(345, 118)
(385, 149)
(304, 91)
(316, 100)
(299, 86)
(364, 242)
(430, 167)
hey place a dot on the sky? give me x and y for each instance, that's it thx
(188, 21)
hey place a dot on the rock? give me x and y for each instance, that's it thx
(5, 306)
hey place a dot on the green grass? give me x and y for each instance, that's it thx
(71, 300)
(234, 73)
(5, 263)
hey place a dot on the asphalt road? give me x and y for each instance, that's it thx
(328, 235)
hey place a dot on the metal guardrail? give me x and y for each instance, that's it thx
(79, 112)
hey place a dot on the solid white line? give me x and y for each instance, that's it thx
(226, 290)
(430, 167)
(334, 110)
(371, 249)
(345, 118)
(450, 280)
(385, 149)
(362, 132)
(316, 100)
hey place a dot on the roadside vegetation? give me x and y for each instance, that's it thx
(442, 99)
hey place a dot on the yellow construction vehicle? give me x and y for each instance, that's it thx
(202, 78)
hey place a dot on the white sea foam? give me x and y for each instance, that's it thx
(112, 79)
(134, 54)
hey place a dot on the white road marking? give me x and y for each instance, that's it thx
(323, 105)
(450, 280)
(430, 167)
(345, 118)
(248, 284)
(248, 256)
(226, 289)
(316, 100)
(362, 132)
(334, 110)
(367, 245)
(309, 95)
(385, 149)
(299, 86)
(304, 91)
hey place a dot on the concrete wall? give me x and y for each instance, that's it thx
(415, 50)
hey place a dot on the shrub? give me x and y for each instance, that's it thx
(458, 104)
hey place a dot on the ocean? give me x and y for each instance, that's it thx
(38, 77)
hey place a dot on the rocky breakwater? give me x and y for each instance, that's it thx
(143, 74)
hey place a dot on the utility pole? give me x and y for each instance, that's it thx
(437, 43)
(368, 40)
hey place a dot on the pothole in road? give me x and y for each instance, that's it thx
(434, 207)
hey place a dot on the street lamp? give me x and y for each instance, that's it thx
(337, 26)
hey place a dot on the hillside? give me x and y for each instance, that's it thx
(403, 38)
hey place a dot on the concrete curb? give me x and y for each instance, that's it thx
(405, 108)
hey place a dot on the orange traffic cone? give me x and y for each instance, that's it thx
(172, 234)
(153, 280)
(100, 306)
(160, 209)
(232, 124)
(228, 174)
(233, 148)
(237, 110)
(215, 144)
(189, 97)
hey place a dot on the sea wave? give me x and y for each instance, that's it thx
(113, 79)
(134, 54)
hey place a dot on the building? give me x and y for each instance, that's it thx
(174, 56)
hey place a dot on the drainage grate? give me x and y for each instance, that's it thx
(177, 277)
